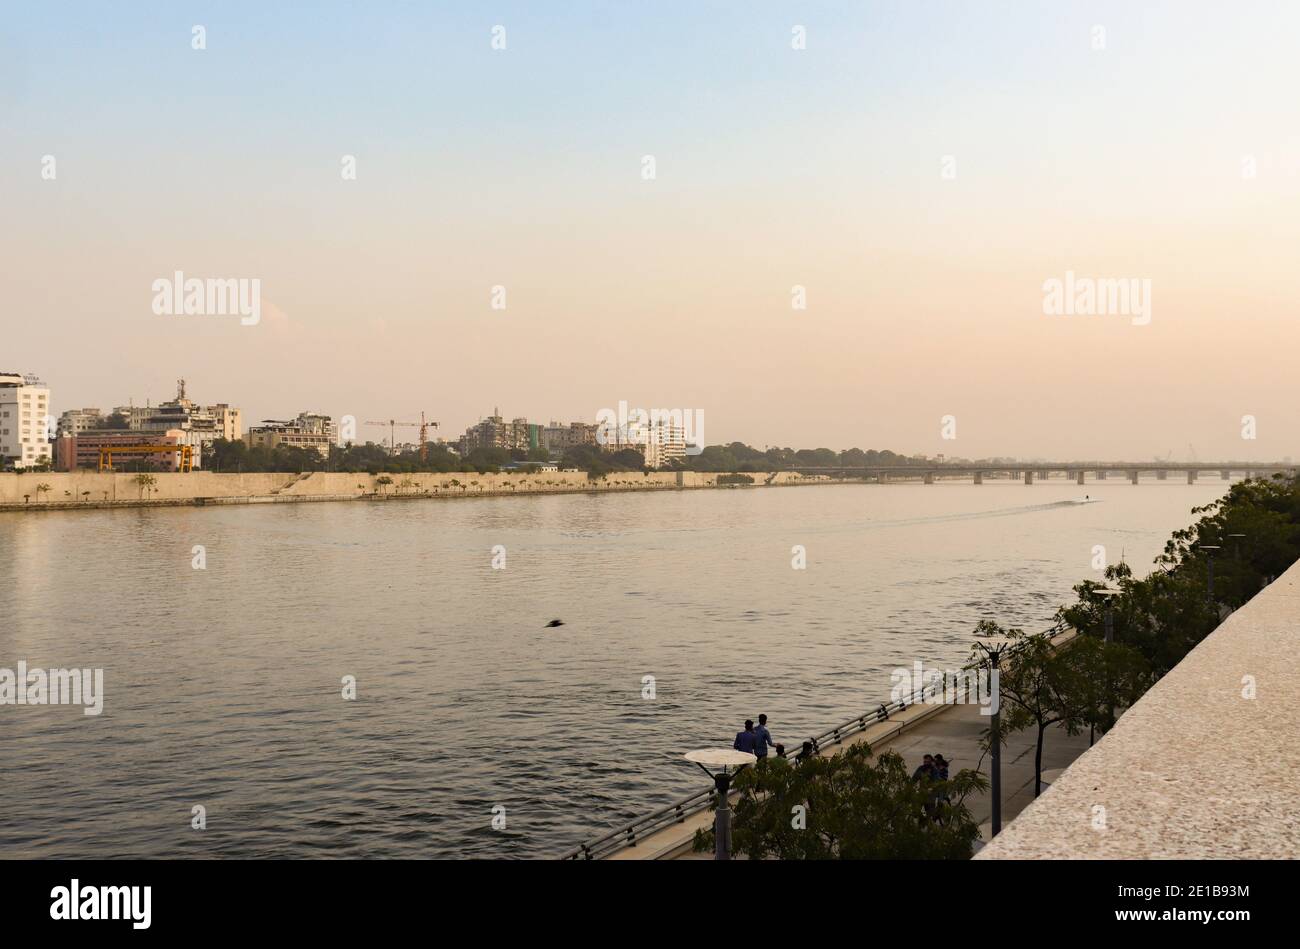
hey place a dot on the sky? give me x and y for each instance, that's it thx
(920, 169)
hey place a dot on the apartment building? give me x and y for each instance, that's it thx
(558, 437)
(76, 421)
(661, 442)
(495, 432)
(665, 443)
(308, 430)
(24, 410)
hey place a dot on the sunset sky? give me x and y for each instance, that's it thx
(775, 167)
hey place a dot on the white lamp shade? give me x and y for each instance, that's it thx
(720, 757)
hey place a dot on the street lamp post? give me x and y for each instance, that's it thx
(723, 760)
(1107, 596)
(993, 647)
(1210, 551)
(1236, 545)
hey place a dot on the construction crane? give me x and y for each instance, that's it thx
(185, 453)
(422, 425)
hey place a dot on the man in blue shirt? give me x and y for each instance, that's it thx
(745, 740)
(762, 738)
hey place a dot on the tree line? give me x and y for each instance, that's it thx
(223, 455)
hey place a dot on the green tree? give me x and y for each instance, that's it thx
(1102, 677)
(1075, 685)
(225, 455)
(850, 806)
(627, 459)
(481, 459)
(145, 482)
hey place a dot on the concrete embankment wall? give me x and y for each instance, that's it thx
(95, 489)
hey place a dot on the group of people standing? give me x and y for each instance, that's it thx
(933, 770)
(756, 739)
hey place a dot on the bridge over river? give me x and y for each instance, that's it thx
(1076, 471)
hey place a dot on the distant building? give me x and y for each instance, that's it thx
(494, 432)
(230, 420)
(200, 425)
(558, 437)
(75, 421)
(24, 409)
(665, 444)
(308, 430)
(660, 443)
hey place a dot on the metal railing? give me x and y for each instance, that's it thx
(630, 833)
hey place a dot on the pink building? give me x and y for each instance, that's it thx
(82, 450)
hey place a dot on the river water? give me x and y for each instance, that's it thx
(223, 686)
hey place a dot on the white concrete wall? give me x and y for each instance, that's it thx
(68, 487)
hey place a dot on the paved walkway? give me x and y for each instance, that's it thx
(951, 730)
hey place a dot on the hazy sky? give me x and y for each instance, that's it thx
(821, 167)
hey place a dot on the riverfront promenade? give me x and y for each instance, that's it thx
(951, 730)
(954, 733)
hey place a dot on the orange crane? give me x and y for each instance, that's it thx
(422, 425)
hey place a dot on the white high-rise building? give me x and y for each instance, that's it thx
(664, 444)
(24, 414)
(660, 442)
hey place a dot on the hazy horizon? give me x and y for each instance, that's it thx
(1170, 155)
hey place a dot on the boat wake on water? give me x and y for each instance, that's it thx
(976, 515)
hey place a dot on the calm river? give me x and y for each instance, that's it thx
(223, 685)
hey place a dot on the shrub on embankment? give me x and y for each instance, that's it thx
(850, 806)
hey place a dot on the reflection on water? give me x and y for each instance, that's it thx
(224, 685)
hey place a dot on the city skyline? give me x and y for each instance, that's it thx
(918, 174)
(444, 433)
